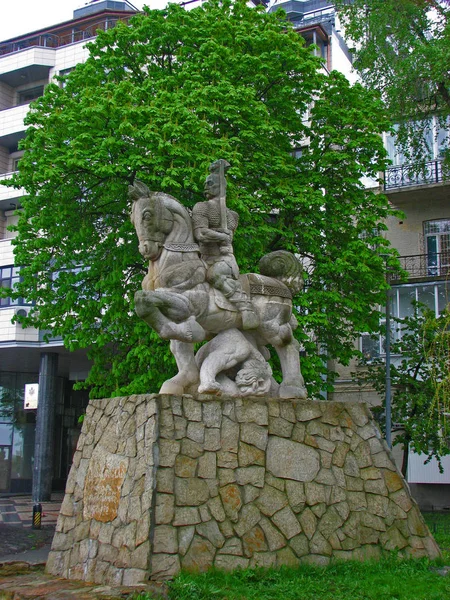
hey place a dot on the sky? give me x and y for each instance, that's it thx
(24, 16)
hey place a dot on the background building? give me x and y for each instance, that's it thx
(27, 64)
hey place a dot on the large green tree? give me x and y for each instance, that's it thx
(401, 49)
(158, 100)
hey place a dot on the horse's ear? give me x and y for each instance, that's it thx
(138, 190)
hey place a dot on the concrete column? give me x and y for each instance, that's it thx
(45, 421)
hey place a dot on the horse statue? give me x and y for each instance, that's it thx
(182, 306)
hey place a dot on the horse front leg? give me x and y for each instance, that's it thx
(169, 314)
(187, 379)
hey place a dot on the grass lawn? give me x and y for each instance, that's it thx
(386, 580)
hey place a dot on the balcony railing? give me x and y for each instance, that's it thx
(407, 175)
(420, 266)
(48, 40)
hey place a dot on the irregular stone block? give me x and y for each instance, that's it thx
(376, 486)
(281, 427)
(252, 412)
(168, 451)
(273, 536)
(251, 493)
(190, 492)
(254, 541)
(227, 562)
(286, 557)
(330, 521)
(250, 455)
(287, 522)
(254, 435)
(227, 460)
(271, 500)
(212, 440)
(249, 516)
(226, 476)
(393, 480)
(265, 560)
(211, 531)
(212, 414)
(232, 546)
(295, 491)
(185, 537)
(165, 540)
(308, 521)
(165, 481)
(231, 501)
(207, 465)
(196, 432)
(187, 515)
(191, 448)
(316, 493)
(164, 510)
(192, 409)
(292, 460)
(164, 566)
(250, 475)
(200, 556)
(307, 411)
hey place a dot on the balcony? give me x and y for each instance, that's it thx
(407, 175)
(9, 197)
(63, 37)
(425, 266)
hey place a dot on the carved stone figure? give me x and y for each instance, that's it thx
(230, 364)
(214, 227)
(184, 294)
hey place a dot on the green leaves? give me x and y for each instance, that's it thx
(159, 100)
(402, 52)
(420, 382)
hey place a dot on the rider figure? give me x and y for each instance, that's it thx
(214, 226)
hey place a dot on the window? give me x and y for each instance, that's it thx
(435, 134)
(64, 73)
(437, 246)
(435, 296)
(9, 277)
(26, 96)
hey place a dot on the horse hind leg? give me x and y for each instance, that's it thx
(293, 384)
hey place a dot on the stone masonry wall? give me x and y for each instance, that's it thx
(161, 483)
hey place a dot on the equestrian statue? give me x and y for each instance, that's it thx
(193, 292)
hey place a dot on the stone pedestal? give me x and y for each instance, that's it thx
(160, 483)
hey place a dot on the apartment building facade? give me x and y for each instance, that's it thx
(30, 366)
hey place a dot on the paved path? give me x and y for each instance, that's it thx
(18, 510)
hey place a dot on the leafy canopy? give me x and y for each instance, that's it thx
(401, 50)
(159, 100)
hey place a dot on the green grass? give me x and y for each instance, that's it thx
(389, 579)
(385, 580)
(439, 524)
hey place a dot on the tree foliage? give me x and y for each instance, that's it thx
(159, 100)
(420, 382)
(401, 50)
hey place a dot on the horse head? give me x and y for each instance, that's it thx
(151, 218)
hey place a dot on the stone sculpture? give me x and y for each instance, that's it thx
(230, 364)
(193, 292)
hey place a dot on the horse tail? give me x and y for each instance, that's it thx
(285, 267)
